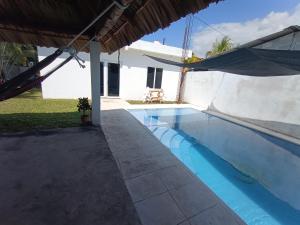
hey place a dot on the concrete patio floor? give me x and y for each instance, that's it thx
(62, 177)
(164, 191)
(69, 176)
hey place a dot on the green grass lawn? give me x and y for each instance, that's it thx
(29, 111)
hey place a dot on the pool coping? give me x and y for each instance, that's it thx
(157, 181)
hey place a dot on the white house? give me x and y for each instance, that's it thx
(127, 80)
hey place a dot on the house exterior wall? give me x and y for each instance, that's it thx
(73, 82)
(68, 82)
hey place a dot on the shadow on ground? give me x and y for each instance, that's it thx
(29, 121)
(34, 93)
(63, 176)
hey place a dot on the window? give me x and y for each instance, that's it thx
(158, 78)
(150, 77)
(154, 77)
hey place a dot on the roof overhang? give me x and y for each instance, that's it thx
(53, 23)
(156, 47)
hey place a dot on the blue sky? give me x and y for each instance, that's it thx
(228, 11)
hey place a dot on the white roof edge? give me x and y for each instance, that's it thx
(156, 47)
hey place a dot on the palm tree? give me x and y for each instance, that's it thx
(192, 59)
(15, 54)
(220, 46)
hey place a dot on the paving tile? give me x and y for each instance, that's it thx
(217, 215)
(159, 210)
(129, 154)
(155, 149)
(193, 198)
(145, 186)
(175, 176)
(167, 160)
(123, 144)
(185, 223)
(137, 167)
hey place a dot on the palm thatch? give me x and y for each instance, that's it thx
(53, 23)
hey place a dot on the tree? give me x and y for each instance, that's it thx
(15, 54)
(220, 46)
(192, 59)
(184, 71)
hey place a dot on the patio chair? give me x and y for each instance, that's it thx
(154, 95)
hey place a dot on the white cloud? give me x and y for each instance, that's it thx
(243, 32)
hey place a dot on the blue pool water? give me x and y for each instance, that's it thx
(184, 132)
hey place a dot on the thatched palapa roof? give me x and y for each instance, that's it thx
(53, 23)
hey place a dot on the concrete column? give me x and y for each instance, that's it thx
(95, 79)
(105, 79)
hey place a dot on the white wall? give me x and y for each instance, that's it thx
(273, 102)
(73, 82)
(68, 82)
(132, 82)
(201, 87)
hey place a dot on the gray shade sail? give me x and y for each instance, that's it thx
(274, 55)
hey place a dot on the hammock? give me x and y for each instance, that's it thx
(274, 55)
(28, 79)
(30, 83)
(31, 72)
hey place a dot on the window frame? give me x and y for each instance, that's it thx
(154, 82)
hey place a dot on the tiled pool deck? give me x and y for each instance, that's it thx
(163, 190)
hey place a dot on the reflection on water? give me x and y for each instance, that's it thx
(198, 139)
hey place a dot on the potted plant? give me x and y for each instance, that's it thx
(84, 108)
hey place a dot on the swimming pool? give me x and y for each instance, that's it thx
(265, 193)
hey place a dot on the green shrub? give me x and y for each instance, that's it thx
(83, 105)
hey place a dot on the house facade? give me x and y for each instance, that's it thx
(125, 74)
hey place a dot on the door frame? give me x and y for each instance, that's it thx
(119, 73)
